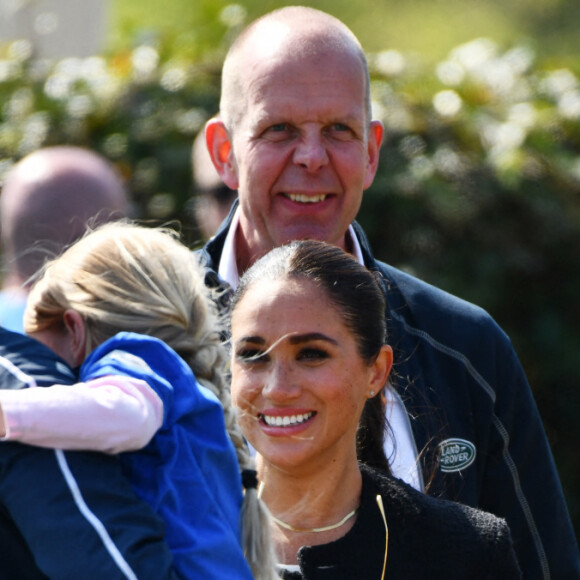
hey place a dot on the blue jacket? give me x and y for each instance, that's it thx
(73, 514)
(475, 423)
(188, 472)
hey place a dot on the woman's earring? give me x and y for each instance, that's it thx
(372, 393)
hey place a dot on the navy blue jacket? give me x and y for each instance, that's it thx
(74, 514)
(475, 423)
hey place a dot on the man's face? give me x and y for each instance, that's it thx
(303, 151)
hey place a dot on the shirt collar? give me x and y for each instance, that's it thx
(228, 268)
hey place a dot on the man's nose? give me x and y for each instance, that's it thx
(310, 151)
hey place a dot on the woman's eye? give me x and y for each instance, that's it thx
(312, 354)
(251, 355)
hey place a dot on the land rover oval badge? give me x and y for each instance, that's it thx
(456, 454)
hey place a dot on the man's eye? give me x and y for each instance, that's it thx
(251, 355)
(340, 131)
(278, 132)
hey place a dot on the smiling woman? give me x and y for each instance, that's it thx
(313, 383)
(310, 365)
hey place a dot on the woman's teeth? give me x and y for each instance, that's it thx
(288, 420)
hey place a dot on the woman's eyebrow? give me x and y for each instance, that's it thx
(300, 338)
(293, 339)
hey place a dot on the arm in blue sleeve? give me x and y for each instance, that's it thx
(78, 517)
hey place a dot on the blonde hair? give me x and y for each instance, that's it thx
(123, 276)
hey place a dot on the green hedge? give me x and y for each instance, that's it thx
(478, 189)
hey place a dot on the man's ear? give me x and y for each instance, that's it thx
(375, 140)
(77, 336)
(217, 139)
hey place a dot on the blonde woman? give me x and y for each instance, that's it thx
(128, 305)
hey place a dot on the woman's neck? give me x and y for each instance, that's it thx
(307, 501)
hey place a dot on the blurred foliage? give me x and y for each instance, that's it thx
(478, 192)
(430, 28)
(478, 189)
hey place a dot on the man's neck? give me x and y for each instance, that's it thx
(236, 256)
(244, 256)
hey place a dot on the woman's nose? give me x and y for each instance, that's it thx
(281, 383)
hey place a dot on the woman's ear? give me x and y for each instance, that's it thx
(77, 336)
(380, 369)
(217, 139)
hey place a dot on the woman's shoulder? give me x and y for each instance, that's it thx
(449, 531)
(406, 500)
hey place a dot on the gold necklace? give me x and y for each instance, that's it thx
(315, 530)
(304, 530)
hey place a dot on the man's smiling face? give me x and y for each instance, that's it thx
(303, 148)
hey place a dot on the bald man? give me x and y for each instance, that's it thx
(296, 138)
(47, 201)
(212, 197)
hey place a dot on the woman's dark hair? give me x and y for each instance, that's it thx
(356, 294)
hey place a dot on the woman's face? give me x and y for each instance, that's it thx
(297, 377)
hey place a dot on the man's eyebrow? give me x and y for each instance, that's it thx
(300, 338)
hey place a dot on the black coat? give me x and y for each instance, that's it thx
(428, 539)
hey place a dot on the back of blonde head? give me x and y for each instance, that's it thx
(125, 277)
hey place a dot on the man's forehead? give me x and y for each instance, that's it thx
(268, 40)
(275, 106)
(278, 41)
(302, 70)
(314, 59)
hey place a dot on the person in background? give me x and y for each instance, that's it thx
(212, 199)
(47, 200)
(127, 304)
(296, 138)
(310, 363)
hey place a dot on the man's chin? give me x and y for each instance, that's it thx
(320, 234)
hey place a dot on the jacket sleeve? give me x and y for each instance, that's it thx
(110, 414)
(520, 481)
(465, 381)
(78, 517)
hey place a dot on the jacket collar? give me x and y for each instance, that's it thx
(359, 554)
(212, 251)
